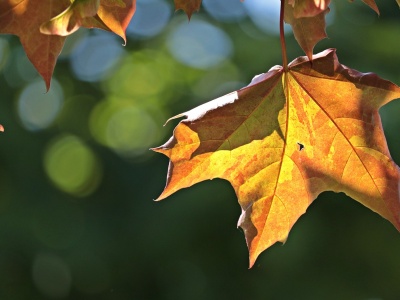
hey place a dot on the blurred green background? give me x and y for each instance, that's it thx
(77, 220)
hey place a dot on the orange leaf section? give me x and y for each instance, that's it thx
(111, 15)
(116, 15)
(286, 138)
(23, 18)
(308, 31)
(188, 6)
(69, 21)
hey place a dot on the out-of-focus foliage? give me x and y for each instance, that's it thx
(77, 220)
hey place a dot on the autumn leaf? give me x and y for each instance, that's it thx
(188, 6)
(308, 30)
(116, 15)
(307, 18)
(79, 13)
(284, 139)
(23, 18)
(111, 15)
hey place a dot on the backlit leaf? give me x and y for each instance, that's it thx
(111, 15)
(286, 138)
(75, 16)
(116, 15)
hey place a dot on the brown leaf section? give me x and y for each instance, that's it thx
(57, 19)
(286, 138)
(308, 8)
(309, 30)
(23, 18)
(188, 6)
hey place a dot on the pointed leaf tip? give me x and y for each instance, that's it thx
(372, 4)
(188, 6)
(116, 17)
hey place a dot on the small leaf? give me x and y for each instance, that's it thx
(117, 17)
(308, 31)
(188, 6)
(286, 138)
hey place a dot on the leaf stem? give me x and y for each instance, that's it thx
(282, 36)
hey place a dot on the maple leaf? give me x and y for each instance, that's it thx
(284, 139)
(23, 18)
(308, 23)
(188, 6)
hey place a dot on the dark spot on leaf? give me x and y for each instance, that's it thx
(301, 146)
